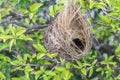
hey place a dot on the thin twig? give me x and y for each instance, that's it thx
(3, 21)
(101, 24)
(115, 18)
(49, 72)
(36, 28)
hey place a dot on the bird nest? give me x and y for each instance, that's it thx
(69, 34)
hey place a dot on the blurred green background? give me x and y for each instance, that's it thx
(24, 57)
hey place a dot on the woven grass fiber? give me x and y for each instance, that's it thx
(69, 34)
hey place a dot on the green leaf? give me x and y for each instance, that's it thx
(46, 62)
(13, 41)
(20, 58)
(60, 68)
(84, 71)
(67, 75)
(34, 55)
(2, 9)
(31, 15)
(118, 77)
(76, 66)
(111, 58)
(1, 29)
(15, 63)
(26, 56)
(28, 68)
(118, 49)
(34, 7)
(52, 12)
(100, 5)
(20, 78)
(40, 55)
(92, 3)
(90, 72)
(99, 69)
(94, 62)
(20, 32)
(3, 46)
(42, 20)
(79, 64)
(2, 76)
(54, 55)
(68, 65)
(6, 37)
(51, 73)
(23, 37)
(24, 11)
(39, 47)
(82, 3)
(107, 1)
(62, 60)
(37, 74)
(12, 29)
(17, 68)
(55, 9)
(62, 1)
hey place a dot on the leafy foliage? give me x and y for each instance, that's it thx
(24, 57)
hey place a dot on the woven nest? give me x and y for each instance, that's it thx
(69, 34)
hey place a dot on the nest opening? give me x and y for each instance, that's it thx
(78, 43)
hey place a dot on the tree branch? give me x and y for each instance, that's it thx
(36, 28)
(115, 18)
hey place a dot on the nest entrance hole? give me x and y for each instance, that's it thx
(78, 43)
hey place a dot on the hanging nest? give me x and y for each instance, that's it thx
(69, 34)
